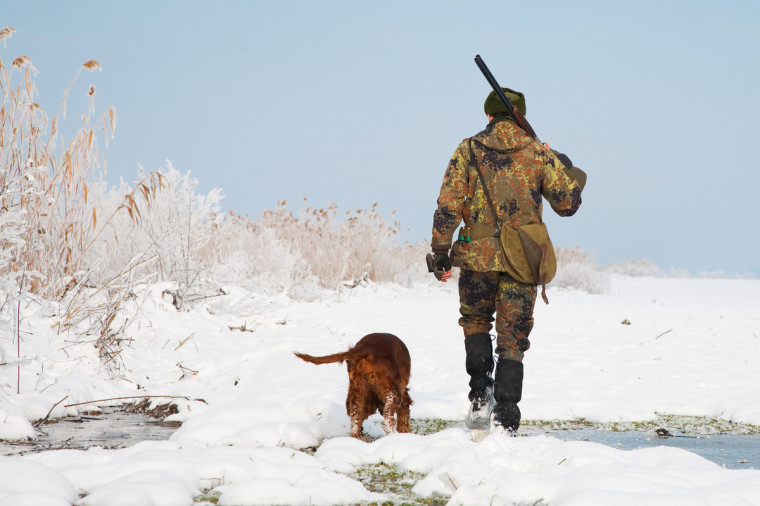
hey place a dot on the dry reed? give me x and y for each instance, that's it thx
(44, 182)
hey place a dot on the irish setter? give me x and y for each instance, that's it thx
(378, 374)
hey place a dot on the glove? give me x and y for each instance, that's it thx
(563, 158)
(441, 262)
(440, 265)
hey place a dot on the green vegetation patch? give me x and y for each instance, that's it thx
(394, 482)
(427, 426)
(691, 425)
(208, 498)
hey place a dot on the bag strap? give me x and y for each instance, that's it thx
(485, 190)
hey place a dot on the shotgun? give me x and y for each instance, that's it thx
(515, 113)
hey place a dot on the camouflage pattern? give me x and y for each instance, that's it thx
(481, 294)
(519, 171)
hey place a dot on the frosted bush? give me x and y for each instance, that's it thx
(635, 268)
(412, 258)
(117, 245)
(167, 238)
(178, 226)
(339, 252)
(181, 237)
(577, 269)
(581, 276)
(257, 260)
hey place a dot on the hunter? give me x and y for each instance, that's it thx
(518, 172)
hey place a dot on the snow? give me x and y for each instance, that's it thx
(251, 410)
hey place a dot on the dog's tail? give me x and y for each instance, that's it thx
(327, 359)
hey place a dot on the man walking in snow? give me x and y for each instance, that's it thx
(517, 171)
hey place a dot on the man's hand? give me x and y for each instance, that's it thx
(440, 265)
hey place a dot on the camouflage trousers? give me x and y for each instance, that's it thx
(481, 294)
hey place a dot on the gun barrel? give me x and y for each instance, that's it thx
(516, 115)
(495, 85)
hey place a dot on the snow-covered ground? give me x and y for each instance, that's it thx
(648, 346)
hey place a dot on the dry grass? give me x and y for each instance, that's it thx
(44, 182)
(320, 247)
(360, 246)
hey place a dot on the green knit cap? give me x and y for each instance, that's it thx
(494, 105)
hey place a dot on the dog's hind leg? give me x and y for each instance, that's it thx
(391, 411)
(403, 413)
(356, 424)
(357, 408)
(356, 416)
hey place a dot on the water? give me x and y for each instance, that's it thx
(733, 451)
(112, 428)
(115, 428)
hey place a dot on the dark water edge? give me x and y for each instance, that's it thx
(111, 428)
(732, 451)
(729, 444)
(117, 427)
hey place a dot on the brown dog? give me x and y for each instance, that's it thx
(378, 374)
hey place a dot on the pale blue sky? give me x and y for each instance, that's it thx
(361, 102)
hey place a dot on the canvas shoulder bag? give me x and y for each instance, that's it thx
(528, 250)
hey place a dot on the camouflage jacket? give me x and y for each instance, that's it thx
(519, 171)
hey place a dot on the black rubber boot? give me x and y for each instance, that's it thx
(479, 365)
(507, 393)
